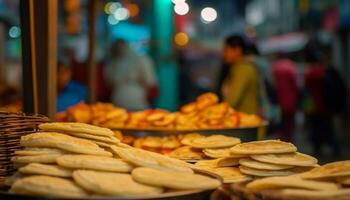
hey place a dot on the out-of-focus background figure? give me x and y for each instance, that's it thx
(132, 77)
(69, 92)
(241, 86)
(285, 79)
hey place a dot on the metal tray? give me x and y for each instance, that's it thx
(177, 195)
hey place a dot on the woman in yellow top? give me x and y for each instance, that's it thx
(241, 87)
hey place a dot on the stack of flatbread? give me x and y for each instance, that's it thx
(244, 161)
(212, 156)
(271, 158)
(77, 160)
(330, 181)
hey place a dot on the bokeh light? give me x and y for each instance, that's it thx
(111, 7)
(121, 14)
(14, 32)
(181, 38)
(181, 8)
(112, 20)
(208, 14)
(133, 9)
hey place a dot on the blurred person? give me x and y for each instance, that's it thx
(266, 89)
(132, 77)
(69, 92)
(285, 79)
(320, 114)
(241, 87)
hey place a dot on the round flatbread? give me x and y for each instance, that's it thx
(227, 162)
(107, 183)
(260, 172)
(248, 162)
(229, 174)
(75, 127)
(203, 164)
(264, 147)
(63, 142)
(50, 158)
(290, 182)
(38, 151)
(292, 194)
(48, 186)
(293, 159)
(42, 169)
(187, 153)
(345, 181)
(173, 180)
(144, 158)
(334, 169)
(108, 139)
(94, 163)
(221, 153)
(214, 141)
(10, 180)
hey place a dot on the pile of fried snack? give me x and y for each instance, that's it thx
(235, 161)
(205, 113)
(73, 160)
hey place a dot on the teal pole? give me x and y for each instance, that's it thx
(162, 49)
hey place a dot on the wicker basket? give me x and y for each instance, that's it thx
(12, 127)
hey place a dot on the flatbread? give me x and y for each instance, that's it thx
(345, 181)
(260, 172)
(227, 162)
(48, 186)
(264, 147)
(107, 183)
(294, 159)
(187, 153)
(248, 162)
(173, 180)
(42, 169)
(203, 164)
(289, 182)
(334, 169)
(214, 141)
(50, 158)
(10, 180)
(75, 127)
(221, 153)
(229, 174)
(341, 194)
(144, 158)
(108, 139)
(94, 163)
(63, 142)
(38, 151)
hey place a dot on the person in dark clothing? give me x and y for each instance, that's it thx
(320, 116)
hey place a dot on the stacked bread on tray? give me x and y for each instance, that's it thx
(79, 160)
(206, 112)
(330, 181)
(234, 161)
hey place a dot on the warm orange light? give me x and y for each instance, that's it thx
(72, 5)
(181, 38)
(133, 9)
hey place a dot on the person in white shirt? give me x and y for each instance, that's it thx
(132, 77)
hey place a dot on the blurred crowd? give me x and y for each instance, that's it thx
(277, 89)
